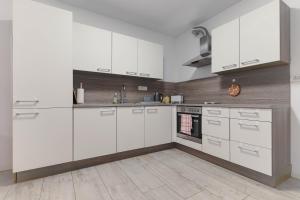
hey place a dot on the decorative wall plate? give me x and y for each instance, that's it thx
(234, 90)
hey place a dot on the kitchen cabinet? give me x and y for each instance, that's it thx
(124, 55)
(41, 137)
(216, 146)
(95, 132)
(264, 35)
(131, 128)
(226, 47)
(42, 56)
(91, 48)
(158, 125)
(150, 60)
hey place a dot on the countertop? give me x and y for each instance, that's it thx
(99, 105)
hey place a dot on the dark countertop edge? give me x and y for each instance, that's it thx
(258, 106)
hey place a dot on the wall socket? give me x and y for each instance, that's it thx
(142, 88)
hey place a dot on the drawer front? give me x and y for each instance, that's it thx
(252, 157)
(215, 112)
(251, 132)
(216, 147)
(251, 114)
(216, 127)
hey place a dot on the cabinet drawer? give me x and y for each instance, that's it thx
(216, 127)
(252, 157)
(251, 114)
(251, 132)
(216, 147)
(215, 112)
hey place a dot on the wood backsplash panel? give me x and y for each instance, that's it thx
(266, 86)
(100, 88)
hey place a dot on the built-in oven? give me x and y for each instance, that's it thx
(189, 123)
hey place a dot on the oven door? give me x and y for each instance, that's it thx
(196, 125)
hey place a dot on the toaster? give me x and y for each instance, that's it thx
(177, 99)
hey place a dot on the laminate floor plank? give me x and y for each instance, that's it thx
(162, 193)
(88, 185)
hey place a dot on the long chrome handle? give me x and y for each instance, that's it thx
(249, 150)
(214, 141)
(144, 74)
(108, 112)
(103, 70)
(30, 113)
(248, 126)
(229, 66)
(214, 112)
(137, 111)
(131, 73)
(251, 62)
(214, 122)
(152, 110)
(188, 114)
(249, 114)
(27, 101)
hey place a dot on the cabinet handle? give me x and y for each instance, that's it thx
(249, 150)
(28, 101)
(152, 110)
(137, 111)
(144, 75)
(251, 62)
(108, 112)
(248, 126)
(249, 114)
(229, 66)
(214, 122)
(131, 73)
(26, 114)
(103, 70)
(214, 112)
(214, 141)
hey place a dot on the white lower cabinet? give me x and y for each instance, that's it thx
(94, 132)
(158, 125)
(252, 157)
(216, 146)
(41, 137)
(131, 128)
(216, 127)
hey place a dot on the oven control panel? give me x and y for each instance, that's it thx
(189, 109)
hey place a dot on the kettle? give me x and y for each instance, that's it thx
(158, 97)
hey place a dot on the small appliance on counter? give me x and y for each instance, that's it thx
(177, 99)
(158, 97)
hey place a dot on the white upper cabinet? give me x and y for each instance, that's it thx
(264, 35)
(226, 47)
(150, 60)
(91, 49)
(42, 56)
(124, 55)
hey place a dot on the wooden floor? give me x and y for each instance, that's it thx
(166, 175)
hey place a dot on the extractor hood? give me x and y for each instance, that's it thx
(204, 58)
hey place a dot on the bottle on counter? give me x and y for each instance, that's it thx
(80, 95)
(115, 98)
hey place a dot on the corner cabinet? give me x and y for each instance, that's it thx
(226, 47)
(124, 55)
(158, 125)
(150, 60)
(91, 49)
(257, 39)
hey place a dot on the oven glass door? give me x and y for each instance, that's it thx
(196, 125)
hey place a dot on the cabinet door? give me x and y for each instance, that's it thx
(150, 60)
(41, 137)
(226, 47)
(158, 125)
(260, 35)
(94, 132)
(91, 49)
(42, 56)
(130, 126)
(124, 55)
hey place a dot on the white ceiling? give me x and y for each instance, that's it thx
(170, 17)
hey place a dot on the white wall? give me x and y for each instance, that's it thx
(101, 21)
(5, 85)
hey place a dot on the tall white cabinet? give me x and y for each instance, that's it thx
(91, 48)
(42, 85)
